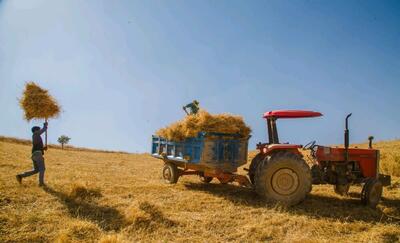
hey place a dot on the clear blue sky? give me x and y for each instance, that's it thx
(122, 69)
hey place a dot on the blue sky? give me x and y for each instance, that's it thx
(122, 69)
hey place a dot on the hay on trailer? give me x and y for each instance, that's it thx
(37, 103)
(203, 121)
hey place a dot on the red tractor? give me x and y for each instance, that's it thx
(279, 172)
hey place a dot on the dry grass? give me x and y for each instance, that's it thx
(203, 121)
(37, 103)
(116, 197)
(55, 146)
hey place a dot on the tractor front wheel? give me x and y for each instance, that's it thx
(371, 193)
(170, 173)
(285, 177)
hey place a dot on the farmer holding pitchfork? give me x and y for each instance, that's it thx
(37, 155)
(37, 104)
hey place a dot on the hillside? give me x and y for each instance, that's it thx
(115, 197)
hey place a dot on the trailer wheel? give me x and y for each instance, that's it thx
(170, 173)
(205, 179)
(371, 193)
(285, 178)
(253, 166)
(341, 189)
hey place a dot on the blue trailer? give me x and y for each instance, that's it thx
(209, 155)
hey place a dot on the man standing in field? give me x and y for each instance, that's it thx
(37, 155)
(194, 108)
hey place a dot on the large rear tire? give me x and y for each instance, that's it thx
(285, 178)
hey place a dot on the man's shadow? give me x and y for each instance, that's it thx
(107, 218)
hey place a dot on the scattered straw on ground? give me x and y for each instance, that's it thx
(191, 125)
(37, 103)
(135, 204)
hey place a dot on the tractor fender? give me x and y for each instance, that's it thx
(273, 148)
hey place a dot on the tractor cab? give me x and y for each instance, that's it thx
(272, 116)
(273, 138)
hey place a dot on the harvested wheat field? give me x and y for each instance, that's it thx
(118, 197)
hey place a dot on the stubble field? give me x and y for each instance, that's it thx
(119, 197)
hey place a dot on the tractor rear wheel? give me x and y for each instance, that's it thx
(170, 173)
(285, 177)
(254, 165)
(341, 189)
(371, 193)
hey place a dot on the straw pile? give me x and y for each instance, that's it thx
(37, 103)
(203, 121)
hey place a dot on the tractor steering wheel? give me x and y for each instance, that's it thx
(309, 145)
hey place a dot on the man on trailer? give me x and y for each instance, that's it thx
(194, 108)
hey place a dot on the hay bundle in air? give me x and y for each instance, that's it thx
(203, 121)
(37, 103)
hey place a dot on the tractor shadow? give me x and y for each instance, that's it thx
(107, 218)
(316, 206)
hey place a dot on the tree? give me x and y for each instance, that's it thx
(63, 140)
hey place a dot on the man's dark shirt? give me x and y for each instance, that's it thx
(37, 142)
(194, 108)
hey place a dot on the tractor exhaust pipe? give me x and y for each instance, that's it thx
(370, 138)
(346, 139)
